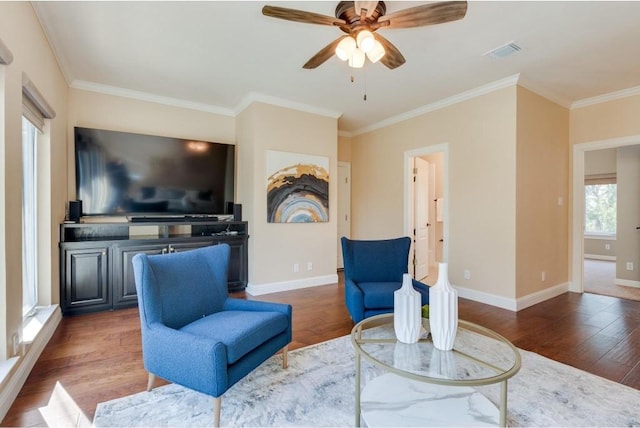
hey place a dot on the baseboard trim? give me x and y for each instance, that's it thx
(487, 298)
(628, 283)
(513, 305)
(275, 287)
(600, 257)
(541, 296)
(18, 376)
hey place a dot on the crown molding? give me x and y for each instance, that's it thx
(625, 93)
(253, 97)
(145, 96)
(446, 102)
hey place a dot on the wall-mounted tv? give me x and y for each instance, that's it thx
(121, 173)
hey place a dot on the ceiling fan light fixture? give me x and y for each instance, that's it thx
(365, 40)
(357, 59)
(376, 53)
(345, 48)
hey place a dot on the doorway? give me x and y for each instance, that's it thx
(425, 202)
(622, 263)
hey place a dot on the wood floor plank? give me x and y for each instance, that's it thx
(97, 357)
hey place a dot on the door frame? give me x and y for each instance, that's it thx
(577, 229)
(346, 165)
(408, 194)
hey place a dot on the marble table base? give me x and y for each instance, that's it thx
(391, 400)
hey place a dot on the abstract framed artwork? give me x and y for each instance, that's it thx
(297, 188)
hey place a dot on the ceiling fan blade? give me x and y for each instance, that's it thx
(370, 6)
(392, 57)
(323, 55)
(428, 14)
(300, 16)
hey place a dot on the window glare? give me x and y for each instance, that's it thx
(600, 208)
(29, 217)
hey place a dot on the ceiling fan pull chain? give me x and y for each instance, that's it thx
(364, 74)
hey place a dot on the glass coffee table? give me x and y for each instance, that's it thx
(420, 383)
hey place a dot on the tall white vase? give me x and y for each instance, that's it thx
(407, 318)
(443, 311)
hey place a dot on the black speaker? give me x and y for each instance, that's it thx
(228, 209)
(75, 210)
(237, 212)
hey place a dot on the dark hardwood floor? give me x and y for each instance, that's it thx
(97, 357)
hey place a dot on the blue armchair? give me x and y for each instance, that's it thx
(193, 333)
(372, 272)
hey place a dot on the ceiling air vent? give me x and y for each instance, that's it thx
(504, 50)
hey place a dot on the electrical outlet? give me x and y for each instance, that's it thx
(309, 266)
(467, 274)
(296, 267)
(544, 276)
(629, 265)
(607, 246)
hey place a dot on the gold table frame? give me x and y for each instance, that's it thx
(385, 319)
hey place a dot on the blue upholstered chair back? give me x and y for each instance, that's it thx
(179, 288)
(375, 261)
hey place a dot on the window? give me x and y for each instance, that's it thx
(29, 217)
(600, 201)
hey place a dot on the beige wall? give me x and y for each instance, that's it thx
(542, 225)
(613, 119)
(276, 247)
(628, 216)
(21, 33)
(480, 134)
(344, 149)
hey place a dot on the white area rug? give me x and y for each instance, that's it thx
(318, 390)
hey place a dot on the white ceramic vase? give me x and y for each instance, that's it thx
(407, 316)
(443, 311)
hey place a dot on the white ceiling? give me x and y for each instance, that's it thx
(216, 55)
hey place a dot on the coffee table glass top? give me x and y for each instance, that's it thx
(479, 356)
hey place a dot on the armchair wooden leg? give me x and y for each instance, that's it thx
(217, 401)
(151, 381)
(285, 352)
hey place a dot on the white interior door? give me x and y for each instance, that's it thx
(344, 206)
(421, 219)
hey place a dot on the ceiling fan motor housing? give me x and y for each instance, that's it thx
(346, 11)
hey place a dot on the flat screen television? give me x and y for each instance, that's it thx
(121, 173)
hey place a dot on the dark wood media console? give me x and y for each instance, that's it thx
(95, 258)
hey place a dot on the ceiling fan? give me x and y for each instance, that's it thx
(360, 19)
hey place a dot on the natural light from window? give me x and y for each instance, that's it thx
(600, 202)
(29, 217)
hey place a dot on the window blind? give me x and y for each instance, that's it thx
(593, 179)
(5, 54)
(34, 107)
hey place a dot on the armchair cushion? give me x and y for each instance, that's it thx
(378, 294)
(240, 332)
